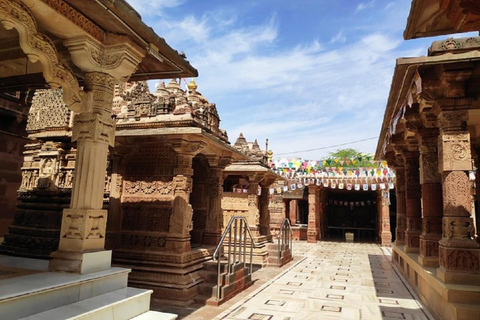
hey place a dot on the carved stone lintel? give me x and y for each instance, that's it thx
(188, 147)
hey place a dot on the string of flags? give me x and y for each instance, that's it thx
(336, 183)
(355, 168)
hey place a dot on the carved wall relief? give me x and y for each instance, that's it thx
(48, 111)
(454, 152)
(456, 194)
(153, 217)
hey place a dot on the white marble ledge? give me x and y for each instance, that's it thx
(155, 315)
(43, 281)
(120, 304)
(25, 263)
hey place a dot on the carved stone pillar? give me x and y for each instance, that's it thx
(264, 211)
(214, 221)
(459, 253)
(400, 196)
(322, 213)
(181, 224)
(313, 229)
(384, 232)
(253, 205)
(431, 198)
(293, 212)
(82, 234)
(413, 209)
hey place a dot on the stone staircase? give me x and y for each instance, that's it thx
(52, 295)
(274, 260)
(230, 283)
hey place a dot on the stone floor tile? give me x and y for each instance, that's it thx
(328, 280)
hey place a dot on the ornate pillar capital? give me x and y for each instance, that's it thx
(218, 161)
(119, 59)
(428, 139)
(452, 119)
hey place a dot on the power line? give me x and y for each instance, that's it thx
(332, 146)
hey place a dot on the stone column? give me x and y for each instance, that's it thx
(431, 198)
(264, 211)
(82, 234)
(253, 205)
(181, 223)
(413, 210)
(293, 212)
(400, 196)
(214, 223)
(384, 232)
(313, 229)
(459, 253)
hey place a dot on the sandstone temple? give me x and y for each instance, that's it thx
(129, 198)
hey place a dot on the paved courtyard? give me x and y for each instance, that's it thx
(327, 280)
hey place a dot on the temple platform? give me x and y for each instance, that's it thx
(444, 301)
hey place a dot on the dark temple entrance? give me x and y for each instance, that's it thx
(352, 211)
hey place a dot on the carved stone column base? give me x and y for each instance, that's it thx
(178, 244)
(83, 230)
(78, 262)
(312, 236)
(429, 252)
(412, 241)
(460, 265)
(211, 238)
(386, 239)
(400, 236)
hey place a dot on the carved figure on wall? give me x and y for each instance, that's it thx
(60, 179)
(48, 169)
(68, 179)
(26, 176)
(34, 179)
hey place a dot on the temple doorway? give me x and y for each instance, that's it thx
(351, 211)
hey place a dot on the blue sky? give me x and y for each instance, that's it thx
(306, 74)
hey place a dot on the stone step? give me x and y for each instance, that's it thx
(155, 315)
(120, 304)
(39, 292)
(229, 291)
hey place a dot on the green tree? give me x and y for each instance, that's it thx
(348, 153)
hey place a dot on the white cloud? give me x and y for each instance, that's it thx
(339, 37)
(365, 5)
(154, 7)
(303, 96)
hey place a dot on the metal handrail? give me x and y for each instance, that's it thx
(284, 237)
(240, 231)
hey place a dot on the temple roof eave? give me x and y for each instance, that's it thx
(125, 20)
(188, 133)
(405, 70)
(250, 167)
(429, 18)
